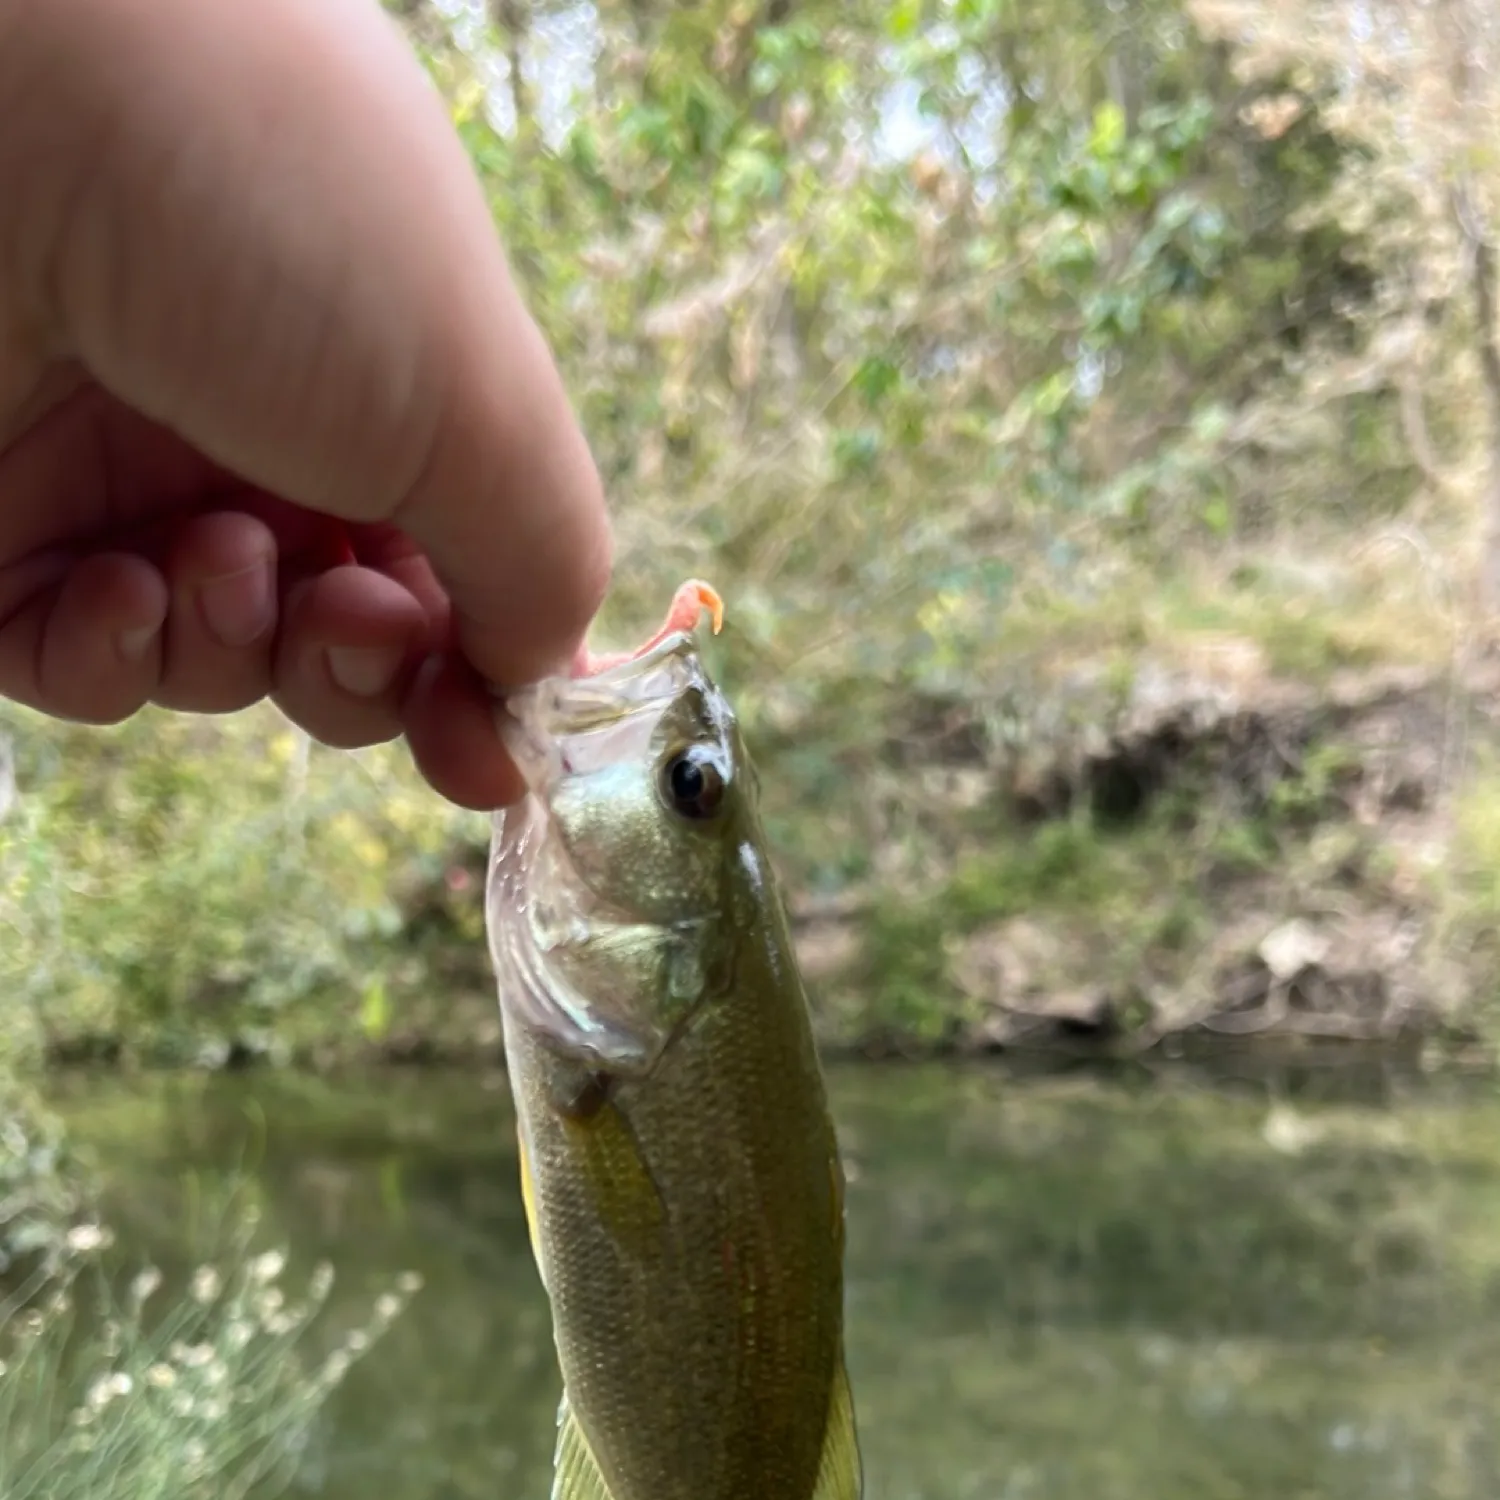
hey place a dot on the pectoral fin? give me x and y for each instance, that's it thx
(575, 1474)
(841, 1473)
(626, 1196)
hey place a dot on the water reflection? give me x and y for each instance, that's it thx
(1066, 1288)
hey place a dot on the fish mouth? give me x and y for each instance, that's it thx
(565, 725)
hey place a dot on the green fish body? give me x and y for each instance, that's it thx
(679, 1163)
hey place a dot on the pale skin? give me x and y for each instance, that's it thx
(274, 420)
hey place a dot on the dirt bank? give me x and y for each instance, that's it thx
(1213, 857)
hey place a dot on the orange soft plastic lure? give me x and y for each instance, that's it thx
(690, 600)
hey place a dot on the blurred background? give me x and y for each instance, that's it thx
(1091, 416)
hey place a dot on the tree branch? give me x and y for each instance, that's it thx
(1419, 436)
(1482, 287)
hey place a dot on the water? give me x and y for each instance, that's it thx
(1066, 1288)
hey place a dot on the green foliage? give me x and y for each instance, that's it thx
(184, 886)
(853, 333)
(900, 393)
(1303, 799)
(950, 340)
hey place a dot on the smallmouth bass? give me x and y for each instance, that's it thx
(681, 1174)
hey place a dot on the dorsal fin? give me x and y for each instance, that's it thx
(575, 1474)
(841, 1472)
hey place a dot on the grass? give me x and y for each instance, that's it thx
(1464, 889)
(115, 1397)
(1264, 613)
(40, 1188)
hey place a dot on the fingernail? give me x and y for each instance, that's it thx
(239, 607)
(365, 671)
(134, 644)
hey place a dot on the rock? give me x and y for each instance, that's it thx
(1087, 1010)
(1032, 987)
(1289, 949)
(1002, 965)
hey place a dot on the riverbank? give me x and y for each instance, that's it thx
(1220, 860)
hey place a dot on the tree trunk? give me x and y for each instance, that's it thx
(1465, 29)
(510, 17)
(1482, 281)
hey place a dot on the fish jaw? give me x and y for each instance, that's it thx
(539, 904)
(532, 992)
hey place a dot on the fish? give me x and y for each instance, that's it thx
(680, 1168)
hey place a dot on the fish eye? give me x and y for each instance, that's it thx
(692, 782)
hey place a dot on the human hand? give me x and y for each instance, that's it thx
(273, 419)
